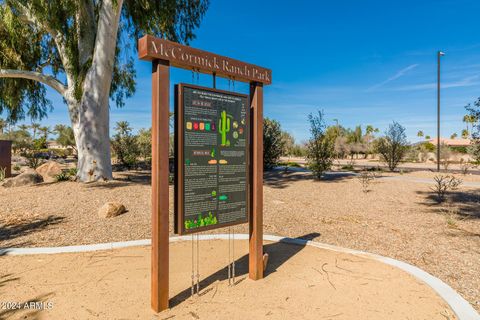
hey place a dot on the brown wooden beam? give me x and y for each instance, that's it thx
(256, 198)
(160, 172)
(151, 48)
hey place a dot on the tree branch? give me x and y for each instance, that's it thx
(86, 30)
(27, 16)
(36, 76)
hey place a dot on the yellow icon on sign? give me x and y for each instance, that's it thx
(189, 125)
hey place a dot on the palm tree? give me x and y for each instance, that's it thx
(420, 133)
(35, 127)
(370, 129)
(45, 131)
(23, 127)
(454, 135)
(469, 119)
(465, 134)
(123, 127)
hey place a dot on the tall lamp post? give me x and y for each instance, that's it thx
(439, 54)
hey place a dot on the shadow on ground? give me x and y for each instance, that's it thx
(9, 231)
(279, 253)
(465, 203)
(281, 179)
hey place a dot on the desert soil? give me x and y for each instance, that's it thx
(300, 283)
(395, 218)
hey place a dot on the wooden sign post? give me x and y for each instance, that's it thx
(163, 54)
(6, 157)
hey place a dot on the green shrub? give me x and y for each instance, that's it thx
(63, 176)
(273, 144)
(61, 153)
(289, 164)
(33, 159)
(320, 149)
(67, 175)
(393, 146)
(459, 149)
(144, 141)
(125, 145)
(72, 172)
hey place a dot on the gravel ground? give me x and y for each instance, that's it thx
(399, 219)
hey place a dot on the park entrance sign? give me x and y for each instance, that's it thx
(235, 181)
(212, 158)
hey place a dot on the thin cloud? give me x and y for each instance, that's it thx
(465, 82)
(399, 74)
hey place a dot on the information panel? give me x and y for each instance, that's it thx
(212, 143)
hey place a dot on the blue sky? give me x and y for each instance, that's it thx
(362, 62)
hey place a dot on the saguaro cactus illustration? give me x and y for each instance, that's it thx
(224, 127)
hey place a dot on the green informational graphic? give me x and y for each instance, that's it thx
(215, 167)
(224, 127)
(201, 221)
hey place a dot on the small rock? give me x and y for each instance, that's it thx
(28, 178)
(111, 209)
(49, 170)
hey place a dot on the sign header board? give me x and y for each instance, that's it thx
(151, 48)
(212, 150)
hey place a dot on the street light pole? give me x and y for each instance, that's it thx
(439, 54)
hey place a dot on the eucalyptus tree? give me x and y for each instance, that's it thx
(83, 50)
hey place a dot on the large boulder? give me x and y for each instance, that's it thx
(49, 170)
(111, 209)
(28, 178)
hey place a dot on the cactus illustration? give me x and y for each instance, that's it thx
(224, 127)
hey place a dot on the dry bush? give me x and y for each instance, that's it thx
(465, 166)
(443, 184)
(451, 213)
(365, 178)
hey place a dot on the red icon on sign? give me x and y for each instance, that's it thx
(195, 126)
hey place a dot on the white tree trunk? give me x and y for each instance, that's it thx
(93, 143)
(90, 118)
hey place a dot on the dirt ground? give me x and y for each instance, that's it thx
(396, 218)
(300, 283)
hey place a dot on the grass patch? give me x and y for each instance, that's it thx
(289, 164)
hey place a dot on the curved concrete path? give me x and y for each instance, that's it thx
(462, 309)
